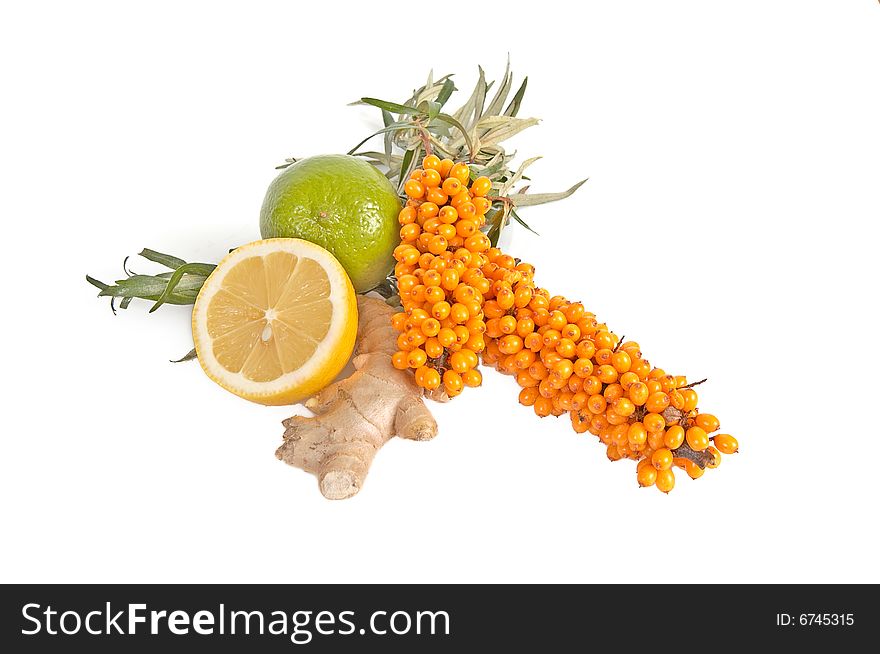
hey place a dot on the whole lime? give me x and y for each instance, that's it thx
(343, 204)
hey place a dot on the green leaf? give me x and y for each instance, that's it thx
(446, 118)
(496, 220)
(404, 166)
(464, 113)
(387, 121)
(513, 108)
(393, 107)
(509, 184)
(532, 199)
(391, 128)
(149, 286)
(494, 107)
(504, 131)
(187, 268)
(445, 92)
(430, 108)
(522, 222)
(164, 259)
(125, 302)
(94, 282)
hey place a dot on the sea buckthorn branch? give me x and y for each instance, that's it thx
(464, 300)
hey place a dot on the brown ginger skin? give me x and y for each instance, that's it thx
(356, 416)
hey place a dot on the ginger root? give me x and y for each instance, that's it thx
(356, 416)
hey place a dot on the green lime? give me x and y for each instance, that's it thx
(343, 204)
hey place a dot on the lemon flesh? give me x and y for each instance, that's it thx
(276, 321)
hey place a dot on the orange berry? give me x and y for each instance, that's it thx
(399, 360)
(527, 396)
(621, 361)
(446, 337)
(692, 469)
(461, 172)
(726, 443)
(542, 406)
(690, 399)
(583, 368)
(472, 378)
(662, 459)
(603, 339)
(437, 244)
(596, 404)
(428, 210)
(452, 382)
(510, 344)
(445, 166)
(674, 437)
(430, 178)
(477, 242)
(592, 385)
(708, 422)
(449, 279)
(698, 440)
(481, 186)
(436, 195)
(407, 215)
(715, 460)
(430, 327)
(433, 348)
(459, 313)
(624, 407)
(414, 189)
(637, 434)
(638, 393)
(665, 480)
(431, 379)
(434, 294)
(432, 162)
(607, 374)
(507, 324)
(410, 232)
(416, 358)
(482, 204)
(654, 422)
(657, 402)
(467, 211)
(451, 186)
(585, 349)
(646, 476)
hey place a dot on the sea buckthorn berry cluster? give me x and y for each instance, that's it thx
(439, 276)
(566, 361)
(463, 299)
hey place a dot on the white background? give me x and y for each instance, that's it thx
(729, 225)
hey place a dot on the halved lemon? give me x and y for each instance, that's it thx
(276, 321)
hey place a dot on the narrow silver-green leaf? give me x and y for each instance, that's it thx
(497, 102)
(396, 127)
(516, 217)
(404, 168)
(393, 107)
(445, 91)
(513, 108)
(163, 259)
(506, 131)
(452, 121)
(532, 199)
(509, 184)
(176, 278)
